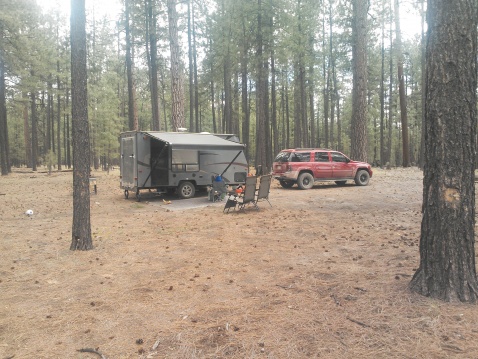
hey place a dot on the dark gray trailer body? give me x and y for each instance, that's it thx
(184, 162)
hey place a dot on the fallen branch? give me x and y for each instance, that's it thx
(155, 345)
(360, 289)
(403, 275)
(335, 299)
(90, 350)
(359, 323)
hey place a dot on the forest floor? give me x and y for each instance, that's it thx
(323, 273)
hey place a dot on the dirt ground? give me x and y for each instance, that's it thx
(322, 273)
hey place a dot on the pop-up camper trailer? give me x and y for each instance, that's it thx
(184, 162)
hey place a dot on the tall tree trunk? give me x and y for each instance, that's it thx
(282, 115)
(267, 121)
(340, 146)
(48, 119)
(26, 131)
(153, 53)
(287, 116)
(297, 109)
(192, 127)
(421, 157)
(58, 117)
(326, 77)
(34, 127)
(195, 70)
(68, 134)
(401, 90)
(244, 97)
(275, 129)
(382, 92)
(81, 229)
(390, 95)
(3, 119)
(447, 247)
(213, 99)
(358, 145)
(261, 103)
(177, 111)
(311, 99)
(132, 118)
(227, 123)
(331, 73)
(236, 103)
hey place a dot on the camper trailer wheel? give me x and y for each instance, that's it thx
(126, 193)
(186, 190)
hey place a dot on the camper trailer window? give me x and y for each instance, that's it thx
(185, 160)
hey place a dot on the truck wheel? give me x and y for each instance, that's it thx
(361, 178)
(186, 190)
(286, 184)
(305, 181)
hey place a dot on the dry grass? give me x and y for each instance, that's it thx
(323, 273)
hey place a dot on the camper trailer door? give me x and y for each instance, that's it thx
(128, 162)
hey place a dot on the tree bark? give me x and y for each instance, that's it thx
(34, 128)
(244, 103)
(195, 70)
(275, 129)
(132, 118)
(177, 111)
(81, 231)
(3, 120)
(358, 146)
(192, 126)
(382, 91)
(153, 53)
(447, 241)
(26, 131)
(261, 98)
(326, 78)
(390, 97)
(401, 90)
(58, 117)
(421, 159)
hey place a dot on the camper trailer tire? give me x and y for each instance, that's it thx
(186, 190)
(126, 194)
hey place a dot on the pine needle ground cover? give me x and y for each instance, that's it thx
(321, 273)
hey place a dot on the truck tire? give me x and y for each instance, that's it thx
(305, 181)
(286, 184)
(186, 190)
(362, 178)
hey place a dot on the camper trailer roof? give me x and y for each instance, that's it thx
(189, 140)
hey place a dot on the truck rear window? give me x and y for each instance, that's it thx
(282, 157)
(300, 157)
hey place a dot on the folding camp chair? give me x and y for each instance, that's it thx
(264, 189)
(218, 189)
(248, 195)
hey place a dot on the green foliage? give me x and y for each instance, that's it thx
(296, 31)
